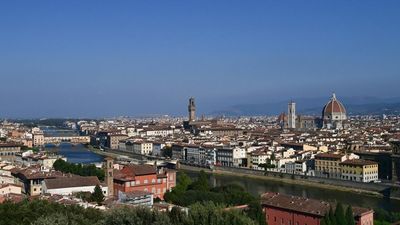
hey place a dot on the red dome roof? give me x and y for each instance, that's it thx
(334, 106)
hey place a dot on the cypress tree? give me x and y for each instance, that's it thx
(349, 216)
(97, 195)
(339, 215)
(332, 219)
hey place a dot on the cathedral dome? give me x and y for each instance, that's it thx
(334, 110)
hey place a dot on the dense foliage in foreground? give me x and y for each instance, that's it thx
(339, 217)
(188, 192)
(383, 217)
(45, 213)
(78, 169)
(29, 212)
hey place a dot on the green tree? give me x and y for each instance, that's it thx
(97, 196)
(202, 182)
(256, 213)
(167, 152)
(339, 214)
(179, 190)
(211, 214)
(331, 216)
(350, 216)
(177, 216)
(54, 219)
(135, 216)
(78, 169)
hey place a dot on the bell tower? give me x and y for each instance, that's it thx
(292, 115)
(192, 110)
(109, 171)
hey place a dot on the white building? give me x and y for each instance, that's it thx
(136, 198)
(141, 147)
(297, 167)
(259, 157)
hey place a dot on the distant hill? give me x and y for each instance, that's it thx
(313, 106)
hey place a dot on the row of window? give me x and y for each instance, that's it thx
(327, 163)
(153, 190)
(153, 181)
(7, 153)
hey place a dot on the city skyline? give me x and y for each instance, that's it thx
(80, 59)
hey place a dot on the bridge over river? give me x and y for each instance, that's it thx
(56, 136)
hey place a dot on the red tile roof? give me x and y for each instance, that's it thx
(303, 205)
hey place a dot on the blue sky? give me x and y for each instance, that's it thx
(109, 58)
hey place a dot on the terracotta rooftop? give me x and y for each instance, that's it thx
(303, 205)
(68, 182)
(358, 162)
(329, 155)
(129, 172)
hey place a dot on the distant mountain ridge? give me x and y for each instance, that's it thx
(314, 106)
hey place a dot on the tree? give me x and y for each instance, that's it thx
(331, 216)
(177, 216)
(78, 169)
(202, 182)
(137, 215)
(256, 213)
(339, 214)
(273, 157)
(212, 214)
(167, 152)
(54, 219)
(179, 190)
(97, 195)
(350, 216)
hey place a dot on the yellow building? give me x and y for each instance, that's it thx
(359, 170)
(328, 165)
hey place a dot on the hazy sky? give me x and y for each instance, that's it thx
(105, 58)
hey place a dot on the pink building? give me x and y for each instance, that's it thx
(292, 210)
(144, 178)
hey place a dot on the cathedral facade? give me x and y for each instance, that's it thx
(333, 117)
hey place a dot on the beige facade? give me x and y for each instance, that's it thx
(10, 189)
(114, 139)
(328, 165)
(359, 170)
(38, 140)
(8, 151)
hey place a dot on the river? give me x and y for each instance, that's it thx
(75, 153)
(258, 186)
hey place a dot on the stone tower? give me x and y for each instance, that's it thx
(292, 115)
(192, 109)
(109, 171)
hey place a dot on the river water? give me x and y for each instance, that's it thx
(75, 153)
(257, 187)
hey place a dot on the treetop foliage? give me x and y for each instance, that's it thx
(79, 169)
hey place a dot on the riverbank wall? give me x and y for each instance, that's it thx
(333, 184)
